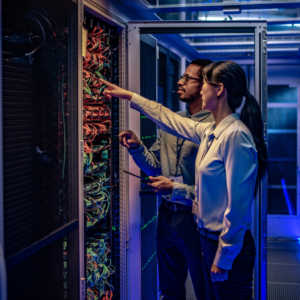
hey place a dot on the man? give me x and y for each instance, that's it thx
(178, 243)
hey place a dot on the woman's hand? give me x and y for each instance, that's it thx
(113, 90)
(218, 274)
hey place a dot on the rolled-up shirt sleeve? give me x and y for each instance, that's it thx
(240, 161)
(168, 120)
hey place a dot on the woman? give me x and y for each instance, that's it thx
(231, 160)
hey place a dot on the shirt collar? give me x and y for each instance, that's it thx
(223, 124)
(202, 114)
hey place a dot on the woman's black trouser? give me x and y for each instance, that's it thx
(179, 250)
(239, 284)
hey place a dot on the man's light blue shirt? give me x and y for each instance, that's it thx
(160, 159)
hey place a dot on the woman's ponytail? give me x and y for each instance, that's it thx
(251, 116)
(234, 79)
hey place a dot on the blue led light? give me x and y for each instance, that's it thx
(287, 199)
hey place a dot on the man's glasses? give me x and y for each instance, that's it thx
(186, 78)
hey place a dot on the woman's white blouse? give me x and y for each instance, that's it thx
(225, 177)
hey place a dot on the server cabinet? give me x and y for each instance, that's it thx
(64, 201)
(40, 153)
(103, 235)
(135, 30)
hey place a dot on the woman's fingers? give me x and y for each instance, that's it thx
(213, 277)
(113, 90)
(216, 276)
(106, 82)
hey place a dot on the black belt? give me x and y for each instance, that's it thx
(176, 207)
(214, 235)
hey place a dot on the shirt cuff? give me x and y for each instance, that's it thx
(222, 261)
(179, 192)
(137, 101)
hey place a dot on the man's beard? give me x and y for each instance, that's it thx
(188, 100)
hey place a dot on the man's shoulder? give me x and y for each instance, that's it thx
(201, 116)
(207, 118)
(182, 113)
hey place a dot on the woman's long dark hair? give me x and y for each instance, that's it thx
(234, 79)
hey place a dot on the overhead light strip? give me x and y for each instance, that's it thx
(213, 51)
(222, 35)
(237, 43)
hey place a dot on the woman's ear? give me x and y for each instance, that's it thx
(220, 89)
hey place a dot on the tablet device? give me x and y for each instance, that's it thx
(143, 179)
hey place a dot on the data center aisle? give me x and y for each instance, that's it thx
(283, 270)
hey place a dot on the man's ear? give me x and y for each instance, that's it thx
(220, 89)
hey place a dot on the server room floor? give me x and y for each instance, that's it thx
(283, 272)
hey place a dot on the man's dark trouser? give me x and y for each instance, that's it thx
(238, 286)
(178, 250)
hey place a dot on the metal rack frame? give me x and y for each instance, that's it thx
(134, 30)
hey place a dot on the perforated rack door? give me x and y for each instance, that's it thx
(40, 153)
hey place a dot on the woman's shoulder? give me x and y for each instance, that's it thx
(238, 131)
(238, 125)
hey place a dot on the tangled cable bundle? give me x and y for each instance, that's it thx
(97, 124)
(95, 66)
(91, 130)
(95, 148)
(97, 198)
(97, 202)
(94, 167)
(93, 88)
(95, 112)
(99, 268)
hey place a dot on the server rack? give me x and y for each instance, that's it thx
(110, 227)
(45, 232)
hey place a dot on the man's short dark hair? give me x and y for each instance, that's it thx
(201, 63)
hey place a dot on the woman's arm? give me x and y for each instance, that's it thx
(162, 116)
(240, 161)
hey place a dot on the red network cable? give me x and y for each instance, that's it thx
(93, 113)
